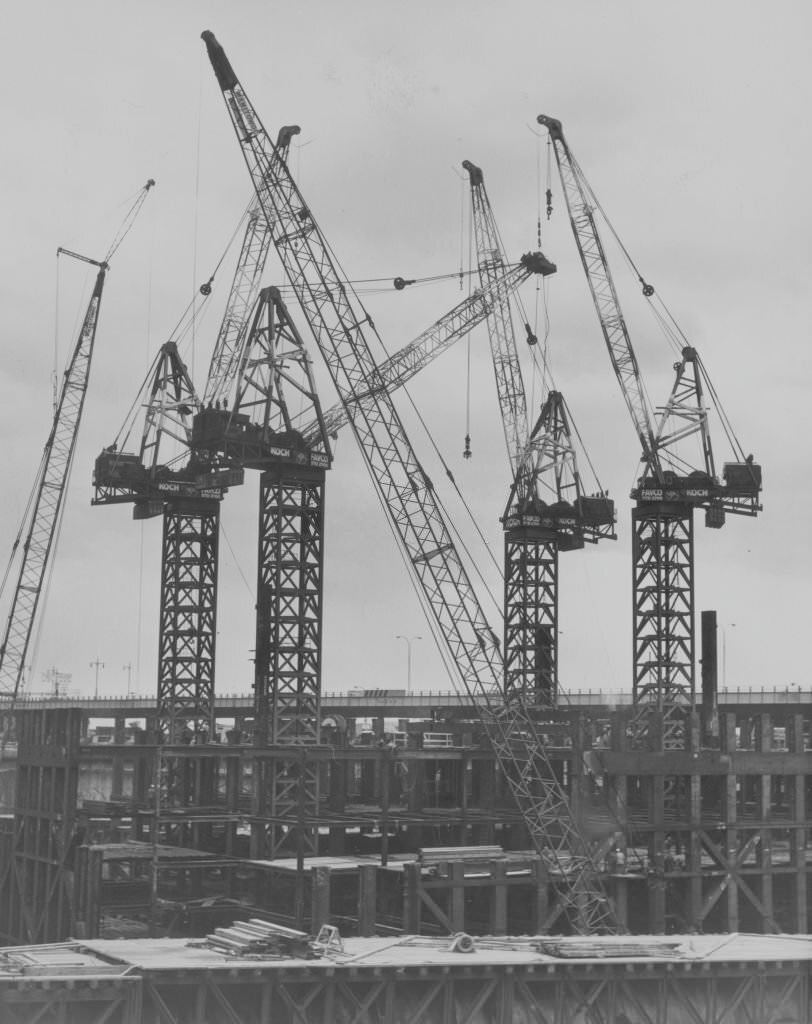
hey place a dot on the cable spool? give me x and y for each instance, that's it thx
(462, 943)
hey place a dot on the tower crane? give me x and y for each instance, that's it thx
(669, 487)
(339, 324)
(52, 478)
(188, 493)
(543, 465)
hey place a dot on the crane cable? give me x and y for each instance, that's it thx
(129, 219)
(668, 324)
(466, 452)
(179, 334)
(449, 521)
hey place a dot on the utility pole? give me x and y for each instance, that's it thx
(97, 665)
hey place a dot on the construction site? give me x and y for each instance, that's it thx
(503, 851)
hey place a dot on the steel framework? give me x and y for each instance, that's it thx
(36, 882)
(663, 625)
(126, 983)
(288, 656)
(188, 617)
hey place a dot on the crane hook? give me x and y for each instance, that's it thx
(400, 283)
(467, 450)
(648, 289)
(205, 289)
(531, 338)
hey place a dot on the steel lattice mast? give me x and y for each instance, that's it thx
(52, 479)
(243, 293)
(543, 465)
(272, 377)
(338, 323)
(668, 490)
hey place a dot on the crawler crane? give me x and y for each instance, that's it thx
(669, 488)
(339, 324)
(52, 478)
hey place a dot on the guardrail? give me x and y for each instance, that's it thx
(420, 699)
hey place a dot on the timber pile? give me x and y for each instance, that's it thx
(259, 939)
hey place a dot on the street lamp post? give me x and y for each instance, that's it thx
(97, 665)
(408, 640)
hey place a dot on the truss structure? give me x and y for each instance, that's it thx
(664, 620)
(287, 675)
(188, 618)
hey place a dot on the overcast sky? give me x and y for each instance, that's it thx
(691, 122)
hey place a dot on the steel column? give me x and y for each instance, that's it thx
(188, 619)
(287, 677)
(531, 617)
(663, 621)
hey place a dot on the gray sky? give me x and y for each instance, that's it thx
(691, 122)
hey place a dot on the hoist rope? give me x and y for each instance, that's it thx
(583, 446)
(243, 577)
(55, 370)
(196, 212)
(449, 522)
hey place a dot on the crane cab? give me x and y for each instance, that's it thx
(742, 478)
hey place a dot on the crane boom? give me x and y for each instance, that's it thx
(543, 466)
(504, 354)
(338, 322)
(50, 492)
(408, 361)
(602, 288)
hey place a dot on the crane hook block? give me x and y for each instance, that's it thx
(222, 67)
(400, 283)
(648, 290)
(531, 338)
(466, 454)
(205, 289)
